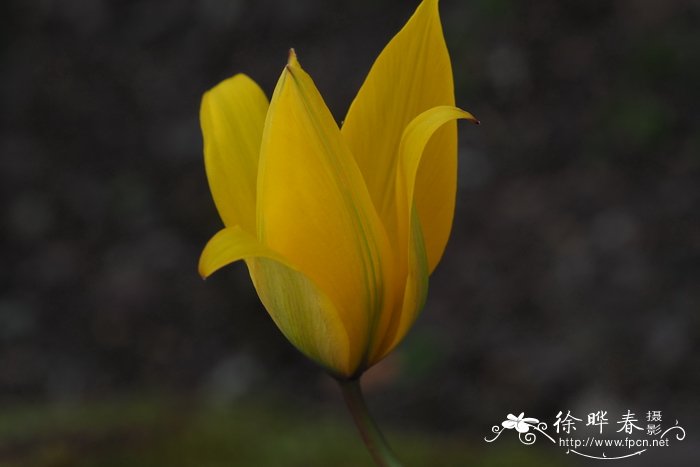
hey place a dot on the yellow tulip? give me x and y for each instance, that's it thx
(339, 227)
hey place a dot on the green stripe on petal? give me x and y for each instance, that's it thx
(415, 293)
(413, 161)
(413, 252)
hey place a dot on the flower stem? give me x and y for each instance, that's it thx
(373, 438)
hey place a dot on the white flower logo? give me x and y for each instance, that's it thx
(521, 425)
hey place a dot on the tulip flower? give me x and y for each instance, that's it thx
(340, 227)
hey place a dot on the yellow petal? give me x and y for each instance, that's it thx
(232, 117)
(314, 208)
(412, 74)
(412, 242)
(415, 166)
(231, 244)
(303, 313)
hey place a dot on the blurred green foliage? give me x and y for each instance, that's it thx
(179, 433)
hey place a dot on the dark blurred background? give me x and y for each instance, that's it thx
(571, 281)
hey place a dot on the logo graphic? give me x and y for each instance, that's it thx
(624, 442)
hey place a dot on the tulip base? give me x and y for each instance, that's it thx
(369, 431)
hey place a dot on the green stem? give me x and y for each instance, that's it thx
(373, 438)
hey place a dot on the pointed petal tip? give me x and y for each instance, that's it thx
(471, 118)
(432, 3)
(467, 116)
(292, 60)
